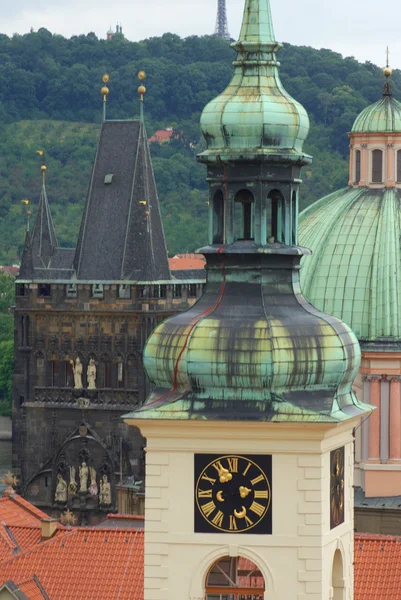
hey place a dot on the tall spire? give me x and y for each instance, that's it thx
(257, 24)
(43, 241)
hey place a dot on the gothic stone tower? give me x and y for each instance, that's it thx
(249, 426)
(98, 302)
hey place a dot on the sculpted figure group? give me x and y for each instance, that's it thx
(87, 484)
(90, 374)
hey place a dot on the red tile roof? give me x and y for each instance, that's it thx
(161, 135)
(377, 567)
(33, 589)
(85, 563)
(182, 262)
(14, 510)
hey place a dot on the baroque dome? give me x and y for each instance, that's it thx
(380, 117)
(354, 272)
(255, 115)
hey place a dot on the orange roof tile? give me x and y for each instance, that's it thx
(84, 563)
(33, 589)
(14, 510)
(183, 262)
(377, 567)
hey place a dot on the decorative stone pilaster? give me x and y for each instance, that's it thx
(395, 418)
(374, 421)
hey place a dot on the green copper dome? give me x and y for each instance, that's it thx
(383, 116)
(354, 272)
(255, 115)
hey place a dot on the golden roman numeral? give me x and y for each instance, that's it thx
(261, 494)
(204, 493)
(208, 508)
(257, 479)
(233, 464)
(218, 466)
(209, 479)
(218, 519)
(248, 521)
(248, 466)
(257, 508)
(233, 523)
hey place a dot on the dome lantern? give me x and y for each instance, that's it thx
(255, 116)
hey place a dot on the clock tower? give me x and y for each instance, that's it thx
(249, 426)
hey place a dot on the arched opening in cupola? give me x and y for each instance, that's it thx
(399, 166)
(275, 217)
(235, 578)
(244, 203)
(377, 166)
(338, 585)
(218, 217)
(357, 166)
(294, 218)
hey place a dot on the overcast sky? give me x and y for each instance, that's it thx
(360, 28)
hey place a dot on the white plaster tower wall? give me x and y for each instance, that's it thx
(297, 559)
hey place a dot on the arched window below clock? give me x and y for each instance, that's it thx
(338, 577)
(235, 578)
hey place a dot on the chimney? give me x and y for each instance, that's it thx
(49, 528)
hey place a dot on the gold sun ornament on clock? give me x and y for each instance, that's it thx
(233, 494)
(336, 487)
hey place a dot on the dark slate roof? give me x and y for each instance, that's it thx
(43, 239)
(385, 502)
(189, 274)
(118, 240)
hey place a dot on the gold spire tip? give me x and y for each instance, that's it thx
(106, 78)
(387, 71)
(141, 75)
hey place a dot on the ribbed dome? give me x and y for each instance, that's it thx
(255, 115)
(354, 272)
(245, 350)
(383, 116)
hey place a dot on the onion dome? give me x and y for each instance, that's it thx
(254, 115)
(354, 272)
(252, 350)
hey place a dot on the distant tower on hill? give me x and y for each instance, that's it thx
(221, 22)
(119, 31)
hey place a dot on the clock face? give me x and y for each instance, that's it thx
(336, 487)
(233, 493)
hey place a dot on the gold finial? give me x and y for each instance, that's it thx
(142, 88)
(28, 212)
(105, 92)
(9, 480)
(43, 167)
(68, 518)
(388, 71)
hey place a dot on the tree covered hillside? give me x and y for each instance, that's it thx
(49, 98)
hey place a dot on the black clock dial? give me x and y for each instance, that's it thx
(336, 487)
(233, 493)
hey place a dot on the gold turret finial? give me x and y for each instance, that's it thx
(142, 88)
(43, 167)
(105, 92)
(28, 212)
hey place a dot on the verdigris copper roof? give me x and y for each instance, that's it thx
(252, 350)
(382, 116)
(354, 272)
(254, 116)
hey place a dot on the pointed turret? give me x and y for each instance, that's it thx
(40, 246)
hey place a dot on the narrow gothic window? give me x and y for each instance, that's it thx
(399, 166)
(218, 217)
(377, 166)
(294, 212)
(274, 216)
(243, 215)
(357, 166)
